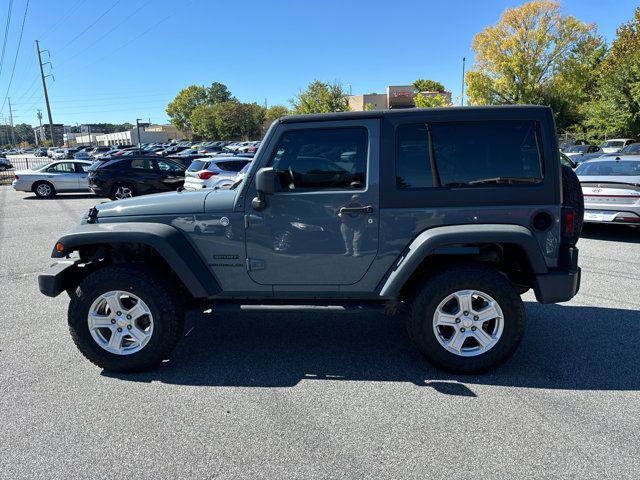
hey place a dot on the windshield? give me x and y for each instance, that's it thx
(612, 143)
(578, 149)
(632, 149)
(46, 165)
(624, 168)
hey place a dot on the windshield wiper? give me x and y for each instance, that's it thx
(509, 180)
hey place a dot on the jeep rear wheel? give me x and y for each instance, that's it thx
(125, 319)
(466, 319)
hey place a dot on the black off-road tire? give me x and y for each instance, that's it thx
(425, 297)
(572, 197)
(40, 194)
(159, 295)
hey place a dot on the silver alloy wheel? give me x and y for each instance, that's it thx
(123, 192)
(282, 241)
(44, 189)
(120, 322)
(468, 323)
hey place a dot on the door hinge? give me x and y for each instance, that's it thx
(255, 264)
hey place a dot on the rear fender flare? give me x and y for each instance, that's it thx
(436, 240)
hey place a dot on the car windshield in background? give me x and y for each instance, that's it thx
(633, 149)
(611, 143)
(197, 165)
(578, 149)
(613, 168)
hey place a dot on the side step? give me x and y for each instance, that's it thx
(292, 307)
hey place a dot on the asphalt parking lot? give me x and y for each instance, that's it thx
(303, 395)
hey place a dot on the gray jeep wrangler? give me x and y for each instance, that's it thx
(445, 215)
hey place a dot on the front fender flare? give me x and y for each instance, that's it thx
(428, 241)
(168, 241)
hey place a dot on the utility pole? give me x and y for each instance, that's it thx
(138, 129)
(462, 101)
(39, 115)
(46, 95)
(13, 135)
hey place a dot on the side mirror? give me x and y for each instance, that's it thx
(265, 181)
(265, 185)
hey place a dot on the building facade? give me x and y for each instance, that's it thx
(397, 96)
(44, 133)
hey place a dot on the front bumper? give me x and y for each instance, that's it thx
(561, 284)
(53, 281)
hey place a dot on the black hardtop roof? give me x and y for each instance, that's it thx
(417, 112)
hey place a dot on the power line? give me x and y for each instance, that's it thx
(6, 35)
(13, 70)
(64, 17)
(91, 25)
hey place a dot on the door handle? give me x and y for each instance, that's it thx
(368, 209)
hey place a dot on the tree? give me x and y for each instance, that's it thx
(321, 97)
(615, 108)
(274, 112)
(235, 120)
(423, 85)
(203, 122)
(431, 101)
(181, 108)
(218, 93)
(518, 58)
(24, 133)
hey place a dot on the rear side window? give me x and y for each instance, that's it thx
(623, 168)
(198, 165)
(231, 166)
(141, 163)
(467, 154)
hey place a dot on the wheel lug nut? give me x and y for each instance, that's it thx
(457, 320)
(113, 320)
(128, 327)
(462, 329)
(128, 317)
(118, 313)
(119, 329)
(476, 317)
(466, 313)
(473, 329)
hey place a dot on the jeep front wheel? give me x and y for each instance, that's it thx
(125, 319)
(466, 319)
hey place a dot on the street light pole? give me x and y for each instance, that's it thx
(138, 129)
(462, 101)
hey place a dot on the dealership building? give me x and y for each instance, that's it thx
(397, 96)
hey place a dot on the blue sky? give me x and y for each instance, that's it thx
(118, 60)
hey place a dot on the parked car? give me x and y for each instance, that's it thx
(615, 145)
(40, 152)
(576, 150)
(633, 149)
(4, 163)
(50, 151)
(58, 154)
(213, 173)
(174, 150)
(611, 189)
(100, 149)
(54, 177)
(124, 177)
(69, 153)
(82, 155)
(454, 246)
(564, 160)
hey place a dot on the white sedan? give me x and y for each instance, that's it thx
(54, 177)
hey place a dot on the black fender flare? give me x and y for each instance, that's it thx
(436, 240)
(168, 241)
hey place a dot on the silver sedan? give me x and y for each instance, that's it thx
(611, 189)
(54, 177)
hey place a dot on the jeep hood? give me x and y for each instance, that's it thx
(172, 203)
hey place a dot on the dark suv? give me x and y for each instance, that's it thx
(444, 215)
(124, 177)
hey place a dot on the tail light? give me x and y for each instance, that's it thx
(568, 222)
(206, 175)
(17, 177)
